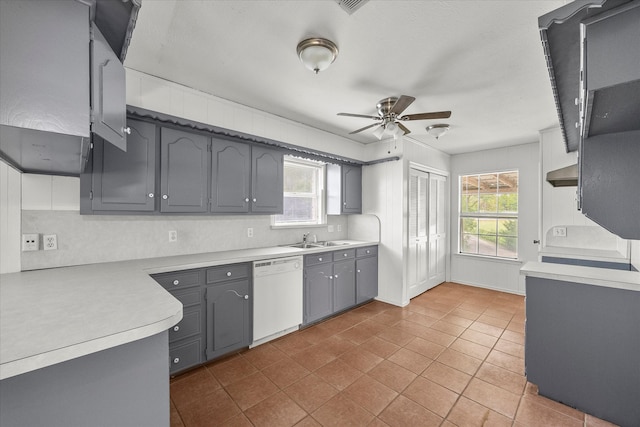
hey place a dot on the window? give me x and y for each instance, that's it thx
(303, 193)
(489, 214)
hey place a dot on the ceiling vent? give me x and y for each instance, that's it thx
(351, 6)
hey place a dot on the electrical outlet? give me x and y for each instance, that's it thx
(50, 242)
(330, 228)
(250, 232)
(173, 236)
(559, 231)
(30, 242)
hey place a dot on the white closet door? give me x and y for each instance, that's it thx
(418, 259)
(437, 229)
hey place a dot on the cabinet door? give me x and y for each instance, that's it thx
(351, 189)
(266, 180)
(318, 292)
(230, 176)
(108, 93)
(344, 285)
(228, 317)
(366, 279)
(184, 171)
(125, 181)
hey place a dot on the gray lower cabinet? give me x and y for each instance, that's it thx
(338, 280)
(318, 287)
(228, 308)
(125, 181)
(366, 273)
(186, 345)
(184, 171)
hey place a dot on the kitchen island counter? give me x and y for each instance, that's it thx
(620, 279)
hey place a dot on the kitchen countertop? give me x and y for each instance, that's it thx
(53, 315)
(586, 254)
(620, 279)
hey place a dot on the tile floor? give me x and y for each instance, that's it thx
(453, 357)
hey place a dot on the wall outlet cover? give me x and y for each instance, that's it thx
(30, 242)
(559, 231)
(173, 236)
(50, 242)
(250, 232)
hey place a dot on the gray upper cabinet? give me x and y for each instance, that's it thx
(125, 181)
(184, 171)
(230, 176)
(344, 189)
(266, 180)
(108, 94)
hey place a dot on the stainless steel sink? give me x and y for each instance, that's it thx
(328, 243)
(310, 245)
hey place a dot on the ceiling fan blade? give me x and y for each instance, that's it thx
(364, 128)
(404, 128)
(427, 116)
(364, 116)
(401, 104)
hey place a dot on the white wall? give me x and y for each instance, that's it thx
(490, 272)
(9, 219)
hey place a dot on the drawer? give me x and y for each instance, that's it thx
(184, 355)
(189, 325)
(178, 279)
(318, 258)
(344, 254)
(368, 251)
(228, 272)
(188, 297)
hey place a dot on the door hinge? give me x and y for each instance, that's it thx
(90, 195)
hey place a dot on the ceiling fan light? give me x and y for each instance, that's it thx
(317, 54)
(379, 132)
(438, 130)
(392, 128)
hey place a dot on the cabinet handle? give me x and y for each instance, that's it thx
(368, 251)
(345, 254)
(319, 259)
(330, 277)
(176, 328)
(246, 297)
(336, 276)
(239, 296)
(246, 200)
(165, 197)
(254, 200)
(126, 130)
(176, 282)
(358, 271)
(176, 360)
(151, 195)
(345, 203)
(228, 274)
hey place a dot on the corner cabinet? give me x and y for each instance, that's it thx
(344, 189)
(336, 281)
(125, 181)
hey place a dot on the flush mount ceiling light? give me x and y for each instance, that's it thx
(437, 130)
(317, 54)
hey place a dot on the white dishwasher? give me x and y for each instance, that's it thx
(277, 298)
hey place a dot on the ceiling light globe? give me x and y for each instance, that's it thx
(317, 54)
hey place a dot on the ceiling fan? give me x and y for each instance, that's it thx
(389, 119)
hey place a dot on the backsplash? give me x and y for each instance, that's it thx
(87, 239)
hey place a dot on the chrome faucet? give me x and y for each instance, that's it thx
(304, 237)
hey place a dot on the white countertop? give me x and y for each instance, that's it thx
(54, 315)
(620, 279)
(587, 254)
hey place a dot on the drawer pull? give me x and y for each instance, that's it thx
(151, 195)
(228, 274)
(165, 197)
(176, 360)
(345, 254)
(246, 200)
(320, 259)
(336, 276)
(176, 328)
(176, 282)
(368, 251)
(358, 271)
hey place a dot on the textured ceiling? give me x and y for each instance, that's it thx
(482, 60)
